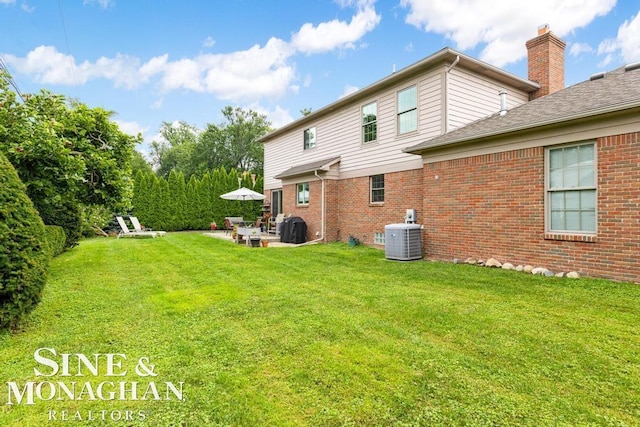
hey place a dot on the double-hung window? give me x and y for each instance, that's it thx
(303, 194)
(408, 110)
(571, 189)
(370, 122)
(377, 188)
(309, 138)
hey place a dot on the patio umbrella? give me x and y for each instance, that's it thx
(243, 194)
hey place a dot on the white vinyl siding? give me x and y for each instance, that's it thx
(342, 135)
(341, 130)
(473, 97)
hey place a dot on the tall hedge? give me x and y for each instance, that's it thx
(175, 205)
(24, 251)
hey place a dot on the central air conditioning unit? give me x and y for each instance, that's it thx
(403, 242)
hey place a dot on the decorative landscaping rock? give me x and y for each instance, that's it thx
(538, 270)
(492, 262)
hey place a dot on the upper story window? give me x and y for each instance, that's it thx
(309, 138)
(370, 122)
(571, 189)
(377, 188)
(303, 193)
(408, 110)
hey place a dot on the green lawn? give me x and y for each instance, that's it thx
(325, 335)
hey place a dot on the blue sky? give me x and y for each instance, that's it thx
(155, 61)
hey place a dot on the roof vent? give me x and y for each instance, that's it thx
(631, 67)
(503, 102)
(597, 76)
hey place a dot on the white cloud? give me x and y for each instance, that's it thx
(102, 3)
(625, 44)
(266, 71)
(209, 42)
(131, 128)
(52, 67)
(7, 1)
(135, 128)
(278, 116)
(335, 34)
(48, 66)
(348, 90)
(502, 30)
(577, 49)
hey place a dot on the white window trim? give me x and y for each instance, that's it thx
(298, 193)
(362, 126)
(547, 191)
(371, 190)
(417, 109)
(315, 136)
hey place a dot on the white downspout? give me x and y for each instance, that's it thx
(446, 93)
(321, 238)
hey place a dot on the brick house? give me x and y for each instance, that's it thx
(521, 170)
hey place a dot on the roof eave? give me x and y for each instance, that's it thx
(445, 54)
(522, 128)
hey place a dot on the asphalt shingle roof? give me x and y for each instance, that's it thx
(616, 91)
(308, 167)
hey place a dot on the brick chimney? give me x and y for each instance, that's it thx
(545, 55)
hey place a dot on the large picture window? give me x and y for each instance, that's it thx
(303, 193)
(370, 122)
(571, 191)
(408, 110)
(309, 138)
(377, 188)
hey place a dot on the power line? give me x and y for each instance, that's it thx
(66, 40)
(9, 78)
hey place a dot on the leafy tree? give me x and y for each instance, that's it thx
(241, 134)
(67, 155)
(139, 163)
(230, 145)
(175, 151)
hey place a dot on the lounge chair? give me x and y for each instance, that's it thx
(137, 227)
(128, 233)
(275, 223)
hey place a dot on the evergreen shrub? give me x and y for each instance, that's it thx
(56, 239)
(24, 251)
